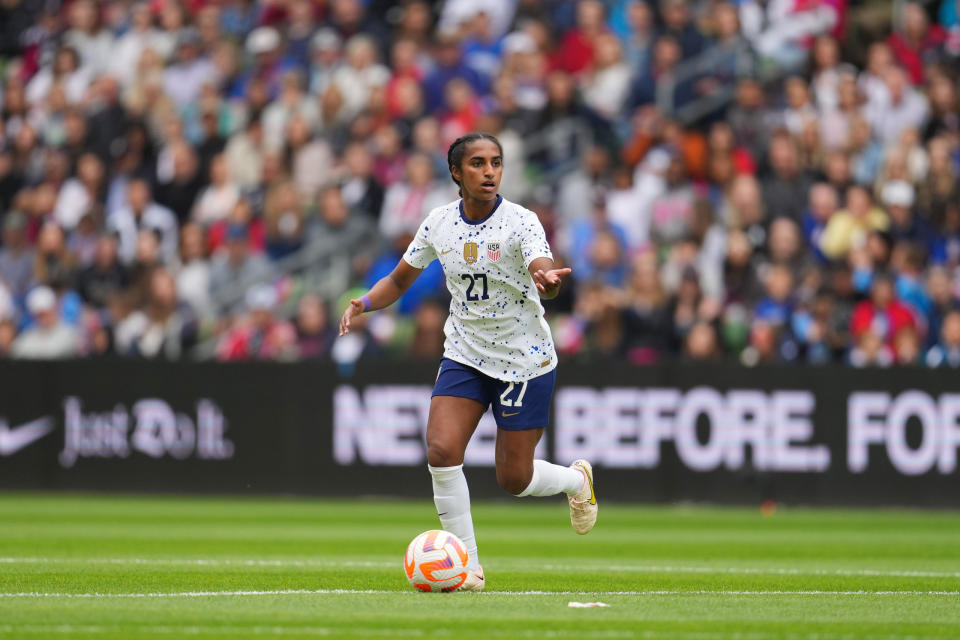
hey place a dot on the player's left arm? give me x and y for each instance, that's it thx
(546, 276)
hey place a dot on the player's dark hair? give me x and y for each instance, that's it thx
(459, 147)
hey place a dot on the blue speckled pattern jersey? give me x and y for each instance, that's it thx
(496, 322)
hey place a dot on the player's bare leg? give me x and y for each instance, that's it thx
(451, 423)
(521, 475)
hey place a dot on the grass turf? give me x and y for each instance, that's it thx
(105, 567)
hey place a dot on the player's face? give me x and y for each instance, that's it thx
(480, 170)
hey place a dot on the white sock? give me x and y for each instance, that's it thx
(550, 479)
(452, 497)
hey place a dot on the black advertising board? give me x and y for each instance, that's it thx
(718, 433)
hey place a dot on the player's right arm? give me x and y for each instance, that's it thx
(383, 294)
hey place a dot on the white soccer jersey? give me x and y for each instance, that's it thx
(496, 322)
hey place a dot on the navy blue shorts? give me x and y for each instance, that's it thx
(516, 405)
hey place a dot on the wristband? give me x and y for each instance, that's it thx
(366, 302)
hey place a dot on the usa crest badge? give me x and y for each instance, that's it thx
(493, 251)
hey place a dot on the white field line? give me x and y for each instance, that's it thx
(205, 562)
(213, 562)
(645, 592)
(199, 630)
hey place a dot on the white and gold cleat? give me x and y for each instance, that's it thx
(474, 581)
(583, 504)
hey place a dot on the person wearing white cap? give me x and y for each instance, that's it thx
(898, 197)
(48, 338)
(261, 335)
(262, 41)
(898, 193)
(499, 12)
(325, 50)
(264, 45)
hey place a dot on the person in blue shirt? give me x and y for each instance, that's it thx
(430, 284)
(450, 65)
(598, 249)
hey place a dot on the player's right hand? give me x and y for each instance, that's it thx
(355, 308)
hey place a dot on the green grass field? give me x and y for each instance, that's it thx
(162, 567)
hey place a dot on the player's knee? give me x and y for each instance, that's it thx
(513, 481)
(439, 454)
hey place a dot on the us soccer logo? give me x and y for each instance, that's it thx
(493, 251)
(470, 252)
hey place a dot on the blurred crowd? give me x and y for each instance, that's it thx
(755, 181)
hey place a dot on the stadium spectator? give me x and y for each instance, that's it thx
(179, 191)
(365, 176)
(87, 36)
(785, 189)
(671, 213)
(897, 107)
(946, 352)
(427, 342)
(678, 23)
(235, 265)
(284, 221)
(183, 80)
(667, 54)
(315, 336)
(48, 337)
(360, 75)
(65, 74)
(53, 264)
(916, 43)
(702, 343)
(292, 102)
(82, 195)
(141, 213)
(749, 118)
(161, 329)
(259, 335)
(637, 35)
(882, 315)
(408, 202)
(799, 109)
(127, 49)
(217, 199)
(16, 258)
(269, 65)
(244, 153)
(346, 233)
(105, 277)
(192, 272)
(848, 227)
(898, 196)
(645, 311)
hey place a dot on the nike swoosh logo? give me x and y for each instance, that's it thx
(443, 253)
(507, 415)
(442, 514)
(12, 440)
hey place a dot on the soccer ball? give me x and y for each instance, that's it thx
(436, 561)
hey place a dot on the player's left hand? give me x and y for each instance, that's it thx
(355, 308)
(548, 282)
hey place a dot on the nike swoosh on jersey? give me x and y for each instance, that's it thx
(507, 415)
(445, 252)
(12, 440)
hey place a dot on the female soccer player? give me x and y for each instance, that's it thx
(498, 347)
